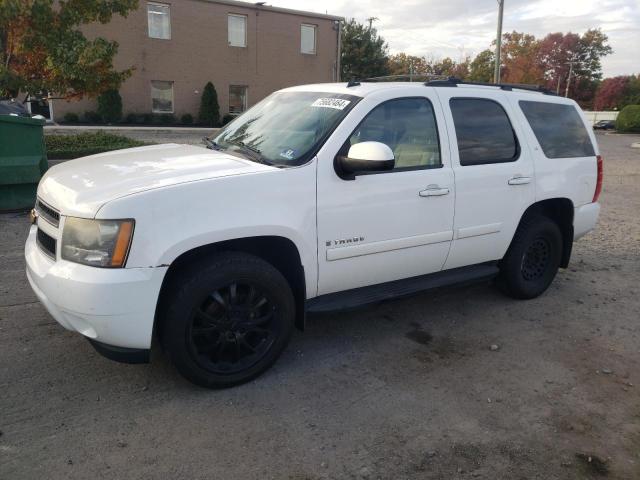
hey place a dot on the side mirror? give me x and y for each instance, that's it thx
(366, 157)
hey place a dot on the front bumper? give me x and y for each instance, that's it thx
(111, 307)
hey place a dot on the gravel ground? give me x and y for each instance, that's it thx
(410, 389)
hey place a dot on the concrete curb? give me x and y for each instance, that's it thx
(72, 129)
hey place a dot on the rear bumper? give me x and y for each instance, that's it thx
(585, 218)
(114, 307)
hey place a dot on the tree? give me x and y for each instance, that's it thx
(42, 47)
(481, 67)
(611, 93)
(209, 108)
(518, 55)
(364, 53)
(110, 106)
(403, 64)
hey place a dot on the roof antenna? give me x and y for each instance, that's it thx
(353, 83)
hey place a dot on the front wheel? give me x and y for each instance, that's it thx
(228, 321)
(533, 258)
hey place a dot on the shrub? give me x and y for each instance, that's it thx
(186, 119)
(227, 118)
(110, 106)
(209, 113)
(131, 118)
(92, 117)
(71, 117)
(60, 147)
(163, 118)
(629, 119)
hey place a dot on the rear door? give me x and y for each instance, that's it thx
(494, 173)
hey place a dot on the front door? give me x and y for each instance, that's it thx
(389, 225)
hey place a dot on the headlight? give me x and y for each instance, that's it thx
(99, 243)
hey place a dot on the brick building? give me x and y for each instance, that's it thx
(246, 50)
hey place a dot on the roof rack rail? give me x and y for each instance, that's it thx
(454, 82)
(410, 77)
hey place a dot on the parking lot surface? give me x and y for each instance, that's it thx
(453, 384)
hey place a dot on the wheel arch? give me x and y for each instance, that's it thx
(280, 252)
(561, 211)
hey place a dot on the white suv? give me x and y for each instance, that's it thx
(318, 198)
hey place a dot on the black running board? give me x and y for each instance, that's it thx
(400, 288)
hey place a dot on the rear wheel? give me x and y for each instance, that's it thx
(228, 321)
(533, 258)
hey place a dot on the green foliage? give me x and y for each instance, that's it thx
(629, 119)
(42, 47)
(209, 113)
(60, 147)
(92, 117)
(227, 118)
(110, 106)
(163, 119)
(71, 117)
(186, 119)
(364, 53)
(481, 67)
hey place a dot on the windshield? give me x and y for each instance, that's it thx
(286, 128)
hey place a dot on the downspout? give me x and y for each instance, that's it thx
(339, 51)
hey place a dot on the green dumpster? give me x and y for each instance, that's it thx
(23, 160)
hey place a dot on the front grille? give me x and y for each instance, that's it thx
(49, 214)
(46, 243)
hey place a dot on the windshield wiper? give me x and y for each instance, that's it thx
(252, 152)
(211, 144)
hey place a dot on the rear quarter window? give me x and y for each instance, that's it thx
(559, 129)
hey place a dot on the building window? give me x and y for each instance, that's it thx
(237, 30)
(161, 96)
(159, 18)
(308, 39)
(237, 99)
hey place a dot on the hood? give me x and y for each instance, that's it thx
(80, 187)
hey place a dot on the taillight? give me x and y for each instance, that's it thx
(596, 194)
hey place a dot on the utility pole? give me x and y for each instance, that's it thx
(566, 91)
(371, 20)
(496, 72)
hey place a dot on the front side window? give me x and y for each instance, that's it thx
(408, 127)
(559, 129)
(484, 132)
(159, 19)
(237, 30)
(237, 99)
(286, 128)
(308, 39)
(161, 96)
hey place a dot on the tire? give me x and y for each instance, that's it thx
(533, 258)
(227, 321)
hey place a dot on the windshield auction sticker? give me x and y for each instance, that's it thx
(337, 103)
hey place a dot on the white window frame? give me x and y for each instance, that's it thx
(315, 38)
(173, 106)
(158, 4)
(245, 18)
(246, 99)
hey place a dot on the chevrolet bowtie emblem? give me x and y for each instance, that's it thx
(33, 216)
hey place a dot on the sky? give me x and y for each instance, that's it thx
(460, 28)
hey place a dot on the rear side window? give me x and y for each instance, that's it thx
(559, 129)
(484, 132)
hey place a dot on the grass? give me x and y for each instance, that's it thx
(64, 147)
